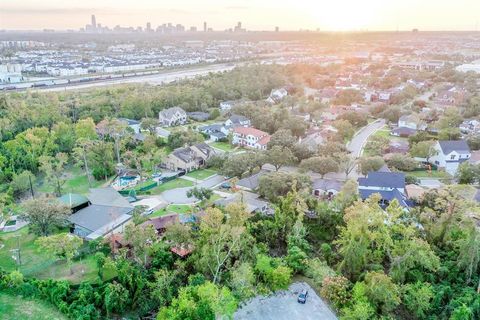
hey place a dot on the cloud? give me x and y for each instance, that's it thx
(237, 8)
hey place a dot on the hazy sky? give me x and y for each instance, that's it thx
(255, 14)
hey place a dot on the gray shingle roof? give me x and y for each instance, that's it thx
(95, 217)
(459, 146)
(169, 113)
(107, 197)
(383, 180)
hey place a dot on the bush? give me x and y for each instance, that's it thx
(318, 270)
(334, 289)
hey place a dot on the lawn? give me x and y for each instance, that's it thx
(173, 208)
(77, 182)
(172, 184)
(225, 146)
(382, 133)
(36, 263)
(201, 174)
(435, 174)
(18, 308)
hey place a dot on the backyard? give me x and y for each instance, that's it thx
(173, 208)
(201, 174)
(19, 308)
(77, 182)
(435, 174)
(225, 146)
(172, 184)
(39, 264)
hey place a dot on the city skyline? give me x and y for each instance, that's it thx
(341, 15)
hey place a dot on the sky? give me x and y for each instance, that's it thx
(334, 15)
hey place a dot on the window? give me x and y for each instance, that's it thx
(452, 157)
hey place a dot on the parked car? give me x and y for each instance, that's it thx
(302, 297)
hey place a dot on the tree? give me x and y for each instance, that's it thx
(44, 215)
(381, 291)
(469, 249)
(401, 162)
(85, 129)
(54, 167)
(283, 138)
(423, 149)
(279, 157)
(141, 238)
(220, 242)
(62, 245)
(238, 164)
(417, 298)
(243, 281)
(116, 298)
(276, 184)
(21, 182)
(321, 165)
(345, 129)
(376, 145)
(347, 163)
(179, 139)
(201, 194)
(467, 173)
(368, 164)
(100, 155)
(334, 289)
(149, 124)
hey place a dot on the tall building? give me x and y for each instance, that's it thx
(205, 26)
(149, 27)
(94, 22)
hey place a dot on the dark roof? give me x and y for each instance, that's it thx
(252, 181)
(236, 119)
(204, 148)
(95, 217)
(404, 131)
(383, 180)
(73, 200)
(108, 197)
(386, 195)
(198, 115)
(184, 154)
(459, 146)
(327, 184)
(161, 222)
(130, 122)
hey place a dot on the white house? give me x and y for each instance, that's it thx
(277, 95)
(226, 105)
(470, 126)
(172, 117)
(450, 154)
(237, 121)
(411, 121)
(250, 138)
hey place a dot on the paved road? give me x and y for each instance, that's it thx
(179, 195)
(360, 139)
(283, 305)
(156, 79)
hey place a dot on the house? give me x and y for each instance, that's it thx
(398, 146)
(226, 105)
(237, 121)
(252, 182)
(198, 116)
(74, 201)
(189, 158)
(160, 224)
(326, 188)
(216, 131)
(252, 202)
(411, 121)
(450, 154)
(277, 95)
(403, 132)
(390, 185)
(132, 124)
(107, 212)
(470, 126)
(172, 117)
(250, 138)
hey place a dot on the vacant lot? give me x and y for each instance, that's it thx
(36, 263)
(18, 308)
(283, 305)
(201, 174)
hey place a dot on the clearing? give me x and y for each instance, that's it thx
(18, 308)
(283, 305)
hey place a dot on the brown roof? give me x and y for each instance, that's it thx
(182, 251)
(161, 222)
(250, 131)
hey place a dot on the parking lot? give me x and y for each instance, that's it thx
(283, 305)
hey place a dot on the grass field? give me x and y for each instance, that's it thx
(36, 263)
(77, 182)
(225, 146)
(201, 174)
(432, 174)
(172, 184)
(173, 208)
(18, 308)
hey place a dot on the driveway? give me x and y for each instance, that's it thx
(179, 195)
(283, 305)
(360, 139)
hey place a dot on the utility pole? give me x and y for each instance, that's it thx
(31, 186)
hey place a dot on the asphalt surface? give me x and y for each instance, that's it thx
(156, 79)
(358, 142)
(283, 305)
(179, 195)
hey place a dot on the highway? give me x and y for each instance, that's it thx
(155, 79)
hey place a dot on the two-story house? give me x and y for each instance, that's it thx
(250, 138)
(450, 154)
(237, 121)
(390, 185)
(172, 117)
(189, 158)
(408, 125)
(470, 126)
